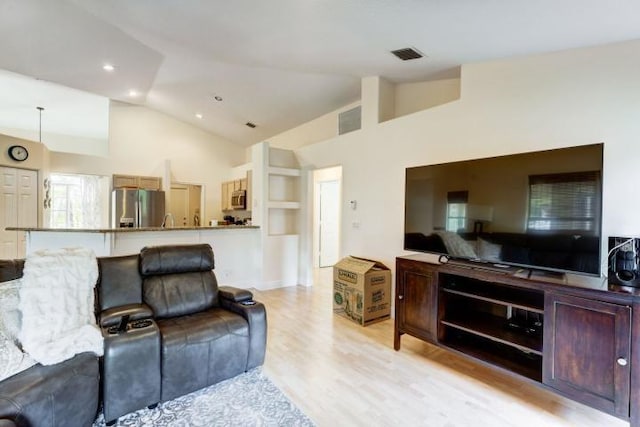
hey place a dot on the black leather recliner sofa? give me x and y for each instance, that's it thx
(205, 334)
(169, 330)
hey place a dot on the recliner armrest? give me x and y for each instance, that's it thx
(234, 294)
(113, 315)
(256, 316)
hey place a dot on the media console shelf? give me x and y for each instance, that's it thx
(575, 340)
(499, 324)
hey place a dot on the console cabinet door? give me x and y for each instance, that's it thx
(416, 296)
(587, 351)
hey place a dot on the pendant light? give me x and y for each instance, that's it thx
(40, 110)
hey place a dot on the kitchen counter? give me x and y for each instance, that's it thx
(129, 230)
(237, 248)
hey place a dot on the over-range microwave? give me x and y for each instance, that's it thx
(239, 199)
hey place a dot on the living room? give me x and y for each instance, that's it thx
(523, 103)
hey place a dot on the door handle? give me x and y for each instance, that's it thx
(622, 361)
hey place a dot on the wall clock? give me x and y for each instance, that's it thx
(18, 153)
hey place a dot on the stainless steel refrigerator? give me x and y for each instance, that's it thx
(136, 208)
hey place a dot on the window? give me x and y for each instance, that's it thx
(79, 201)
(457, 210)
(565, 202)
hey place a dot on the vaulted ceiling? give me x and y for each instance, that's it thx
(281, 63)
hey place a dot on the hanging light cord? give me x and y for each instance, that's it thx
(40, 109)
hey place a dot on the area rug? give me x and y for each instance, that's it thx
(250, 399)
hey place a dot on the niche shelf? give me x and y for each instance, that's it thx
(278, 183)
(275, 170)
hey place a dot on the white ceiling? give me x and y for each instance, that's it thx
(281, 63)
(67, 113)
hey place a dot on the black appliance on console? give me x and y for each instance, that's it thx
(624, 260)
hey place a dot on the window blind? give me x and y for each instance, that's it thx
(564, 202)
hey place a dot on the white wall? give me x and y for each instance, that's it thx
(413, 97)
(531, 103)
(397, 100)
(387, 99)
(316, 130)
(140, 142)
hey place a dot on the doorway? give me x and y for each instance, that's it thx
(326, 228)
(185, 202)
(19, 201)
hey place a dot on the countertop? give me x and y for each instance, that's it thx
(131, 230)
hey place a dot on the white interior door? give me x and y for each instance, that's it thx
(8, 213)
(179, 205)
(27, 206)
(19, 208)
(329, 231)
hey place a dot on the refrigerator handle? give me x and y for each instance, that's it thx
(137, 210)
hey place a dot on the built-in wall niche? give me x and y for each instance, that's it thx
(281, 158)
(284, 188)
(283, 221)
(283, 194)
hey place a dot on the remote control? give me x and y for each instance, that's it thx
(250, 302)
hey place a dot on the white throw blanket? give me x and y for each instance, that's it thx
(57, 303)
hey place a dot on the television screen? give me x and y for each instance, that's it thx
(541, 210)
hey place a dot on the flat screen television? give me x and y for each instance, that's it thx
(539, 210)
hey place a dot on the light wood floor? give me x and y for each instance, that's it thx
(343, 374)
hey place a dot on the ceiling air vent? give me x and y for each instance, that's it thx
(407, 54)
(251, 125)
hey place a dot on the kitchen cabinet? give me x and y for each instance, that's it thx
(587, 351)
(225, 201)
(239, 184)
(125, 181)
(134, 181)
(249, 190)
(150, 182)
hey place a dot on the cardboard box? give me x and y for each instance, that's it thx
(361, 290)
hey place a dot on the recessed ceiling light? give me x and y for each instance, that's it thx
(198, 115)
(108, 67)
(217, 98)
(133, 93)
